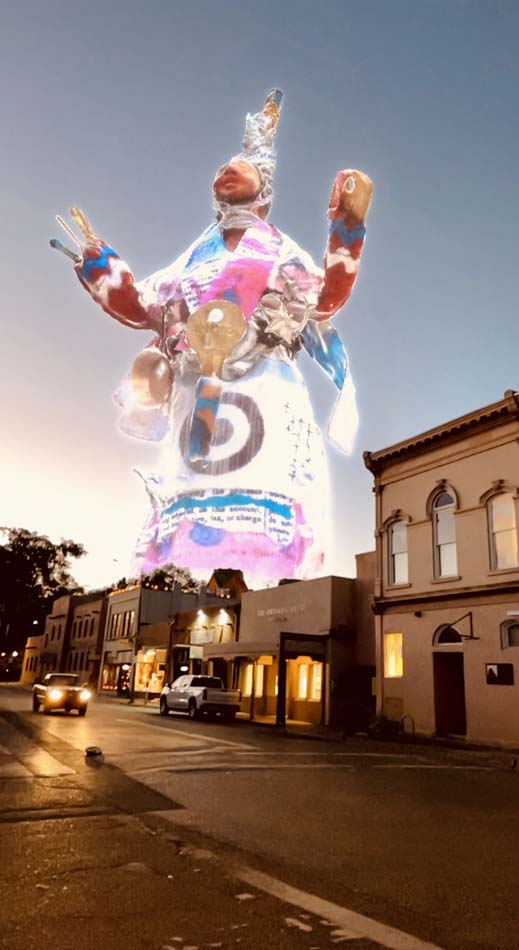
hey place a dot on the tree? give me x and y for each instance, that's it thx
(168, 574)
(33, 572)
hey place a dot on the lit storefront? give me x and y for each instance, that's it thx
(150, 669)
(304, 652)
(116, 670)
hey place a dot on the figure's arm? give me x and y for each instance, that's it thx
(110, 282)
(347, 210)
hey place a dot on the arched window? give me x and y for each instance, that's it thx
(446, 634)
(444, 532)
(510, 634)
(503, 531)
(398, 559)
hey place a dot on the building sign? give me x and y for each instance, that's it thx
(272, 613)
(201, 635)
(500, 674)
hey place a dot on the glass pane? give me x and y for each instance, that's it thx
(398, 537)
(513, 635)
(448, 560)
(443, 500)
(503, 513)
(393, 661)
(506, 549)
(302, 685)
(317, 679)
(445, 530)
(258, 686)
(247, 680)
(400, 572)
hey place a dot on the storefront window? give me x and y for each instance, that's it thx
(247, 680)
(317, 681)
(258, 686)
(149, 671)
(302, 681)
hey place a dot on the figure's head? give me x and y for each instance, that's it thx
(246, 180)
(237, 181)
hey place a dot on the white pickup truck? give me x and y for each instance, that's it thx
(200, 694)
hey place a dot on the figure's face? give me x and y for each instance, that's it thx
(237, 182)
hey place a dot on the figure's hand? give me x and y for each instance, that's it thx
(351, 196)
(93, 252)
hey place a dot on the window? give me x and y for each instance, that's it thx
(503, 532)
(398, 565)
(446, 561)
(446, 634)
(393, 659)
(317, 682)
(302, 680)
(258, 685)
(247, 679)
(510, 634)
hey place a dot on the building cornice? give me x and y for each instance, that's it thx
(481, 419)
(380, 604)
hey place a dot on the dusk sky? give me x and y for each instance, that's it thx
(127, 108)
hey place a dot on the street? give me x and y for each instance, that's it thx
(204, 834)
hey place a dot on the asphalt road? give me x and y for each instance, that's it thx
(352, 843)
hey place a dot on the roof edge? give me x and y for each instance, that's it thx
(478, 418)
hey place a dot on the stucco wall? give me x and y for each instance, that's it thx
(297, 608)
(470, 466)
(492, 711)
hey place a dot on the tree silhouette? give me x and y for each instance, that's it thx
(33, 572)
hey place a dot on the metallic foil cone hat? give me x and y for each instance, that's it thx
(257, 149)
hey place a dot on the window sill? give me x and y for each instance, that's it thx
(398, 586)
(503, 570)
(445, 580)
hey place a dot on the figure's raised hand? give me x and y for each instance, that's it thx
(92, 252)
(351, 196)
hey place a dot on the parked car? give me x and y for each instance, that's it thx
(60, 691)
(200, 694)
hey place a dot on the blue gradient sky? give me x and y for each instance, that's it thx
(127, 108)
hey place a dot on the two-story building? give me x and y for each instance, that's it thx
(447, 577)
(71, 640)
(84, 636)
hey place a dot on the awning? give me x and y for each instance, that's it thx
(250, 649)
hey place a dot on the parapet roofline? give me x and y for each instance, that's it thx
(447, 431)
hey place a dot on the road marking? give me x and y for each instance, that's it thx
(440, 767)
(354, 926)
(238, 767)
(192, 735)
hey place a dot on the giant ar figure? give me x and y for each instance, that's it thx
(243, 478)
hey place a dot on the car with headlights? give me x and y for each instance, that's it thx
(60, 691)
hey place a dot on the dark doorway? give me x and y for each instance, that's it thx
(220, 669)
(449, 694)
